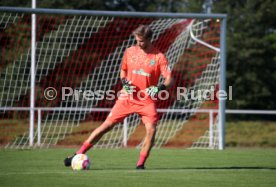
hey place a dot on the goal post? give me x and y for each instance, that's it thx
(77, 63)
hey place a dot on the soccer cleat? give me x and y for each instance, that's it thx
(68, 160)
(140, 167)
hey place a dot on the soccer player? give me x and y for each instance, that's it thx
(142, 66)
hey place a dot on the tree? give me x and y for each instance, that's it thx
(61, 4)
(251, 42)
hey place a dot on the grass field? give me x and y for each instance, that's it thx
(165, 167)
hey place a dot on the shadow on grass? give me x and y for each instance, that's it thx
(220, 168)
(192, 168)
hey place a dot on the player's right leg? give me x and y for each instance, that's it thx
(118, 112)
(94, 137)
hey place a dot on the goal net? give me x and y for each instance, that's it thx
(78, 53)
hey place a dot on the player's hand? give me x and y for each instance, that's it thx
(153, 90)
(127, 86)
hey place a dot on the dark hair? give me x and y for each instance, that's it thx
(143, 31)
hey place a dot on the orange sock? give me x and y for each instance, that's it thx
(142, 159)
(85, 147)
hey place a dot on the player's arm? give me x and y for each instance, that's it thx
(168, 82)
(166, 73)
(153, 90)
(128, 87)
(123, 74)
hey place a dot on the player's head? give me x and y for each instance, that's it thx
(143, 35)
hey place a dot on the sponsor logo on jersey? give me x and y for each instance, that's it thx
(141, 72)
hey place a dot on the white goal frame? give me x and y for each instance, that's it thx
(222, 50)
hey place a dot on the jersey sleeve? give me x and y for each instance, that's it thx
(164, 66)
(124, 62)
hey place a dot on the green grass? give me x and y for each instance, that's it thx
(165, 167)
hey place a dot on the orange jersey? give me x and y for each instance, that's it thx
(144, 69)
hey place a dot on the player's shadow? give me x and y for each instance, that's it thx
(219, 168)
(193, 168)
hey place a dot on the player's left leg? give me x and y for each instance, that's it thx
(149, 118)
(147, 145)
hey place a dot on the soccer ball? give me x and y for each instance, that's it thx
(80, 162)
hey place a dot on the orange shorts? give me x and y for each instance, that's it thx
(123, 108)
